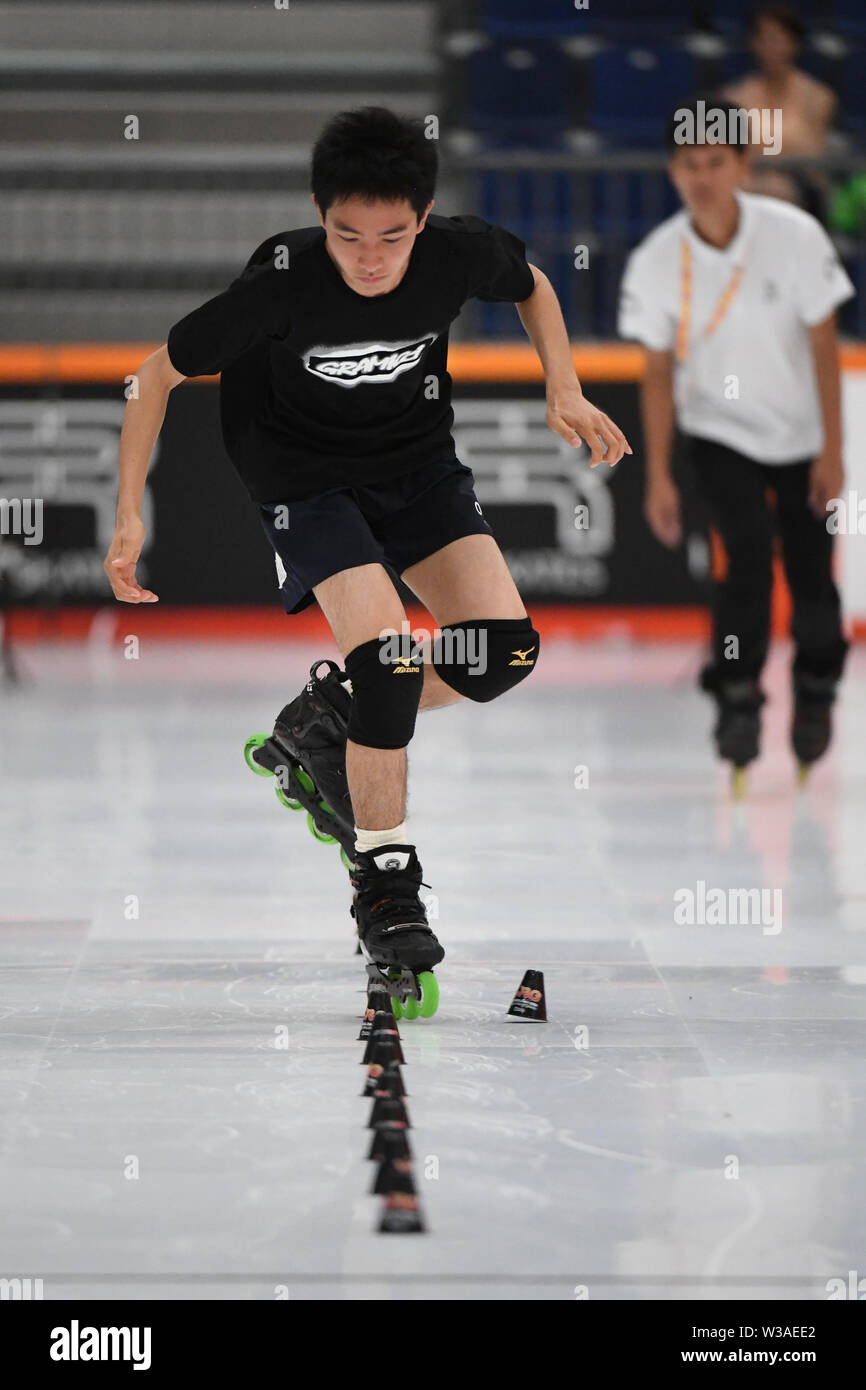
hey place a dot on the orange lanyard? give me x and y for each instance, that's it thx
(685, 319)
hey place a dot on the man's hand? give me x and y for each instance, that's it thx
(570, 414)
(662, 511)
(120, 563)
(826, 480)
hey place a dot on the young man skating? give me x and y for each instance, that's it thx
(335, 405)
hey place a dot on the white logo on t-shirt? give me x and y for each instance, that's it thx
(365, 362)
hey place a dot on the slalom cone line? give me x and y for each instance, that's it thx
(389, 1121)
(401, 1215)
(387, 1036)
(387, 1110)
(389, 1141)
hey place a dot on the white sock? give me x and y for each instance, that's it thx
(367, 840)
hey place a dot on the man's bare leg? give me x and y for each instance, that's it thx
(377, 785)
(391, 918)
(359, 605)
(464, 580)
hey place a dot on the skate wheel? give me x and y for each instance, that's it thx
(803, 770)
(426, 1006)
(348, 864)
(317, 834)
(281, 797)
(256, 741)
(738, 783)
(429, 994)
(306, 782)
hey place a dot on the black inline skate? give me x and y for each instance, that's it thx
(395, 936)
(307, 754)
(737, 730)
(812, 725)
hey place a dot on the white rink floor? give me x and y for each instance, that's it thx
(706, 1142)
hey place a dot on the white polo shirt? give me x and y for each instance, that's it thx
(748, 382)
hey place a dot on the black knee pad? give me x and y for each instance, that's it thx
(387, 674)
(484, 659)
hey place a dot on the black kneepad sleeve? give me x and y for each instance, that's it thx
(484, 659)
(386, 690)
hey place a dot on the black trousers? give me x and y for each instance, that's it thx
(734, 489)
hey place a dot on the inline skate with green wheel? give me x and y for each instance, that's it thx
(307, 754)
(395, 936)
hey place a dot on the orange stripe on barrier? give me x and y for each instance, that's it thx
(256, 623)
(519, 362)
(27, 363)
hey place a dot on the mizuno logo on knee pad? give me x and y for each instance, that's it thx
(383, 714)
(502, 667)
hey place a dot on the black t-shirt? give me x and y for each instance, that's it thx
(323, 387)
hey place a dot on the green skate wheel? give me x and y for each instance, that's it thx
(292, 805)
(305, 781)
(287, 800)
(256, 741)
(429, 994)
(411, 1007)
(318, 834)
(346, 860)
(397, 1009)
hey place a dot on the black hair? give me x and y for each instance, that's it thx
(371, 153)
(712, 101)
(783, 15)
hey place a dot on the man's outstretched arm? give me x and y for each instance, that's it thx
(569, 413)
(142, 422)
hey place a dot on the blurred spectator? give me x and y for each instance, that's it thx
(776, 37)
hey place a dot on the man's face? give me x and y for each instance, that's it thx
(707, 176)
(371, 242)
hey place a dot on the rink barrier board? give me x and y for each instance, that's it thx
(256, 623)
(495, 364)
(478, 362)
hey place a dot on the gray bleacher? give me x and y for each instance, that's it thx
(106, 238)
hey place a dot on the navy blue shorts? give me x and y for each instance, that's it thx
(394, 524)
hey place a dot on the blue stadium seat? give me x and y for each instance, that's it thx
(852, 97)
(624, 20)
(849, 17)
(517, 94)
(733, 16)
(626, 206)
(635, 89)
(512, 19)
(559, 19)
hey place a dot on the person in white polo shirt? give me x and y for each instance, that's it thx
(734, 300)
